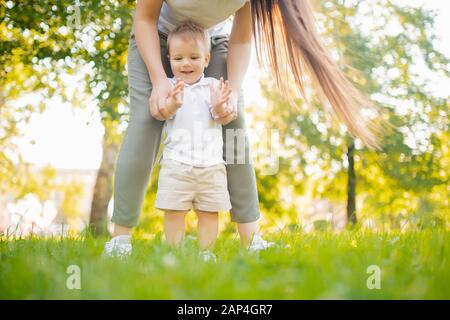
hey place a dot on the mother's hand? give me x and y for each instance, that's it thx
(157, 100)
(230, 112)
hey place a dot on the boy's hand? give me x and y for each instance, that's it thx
(220, 97)
(175, 99)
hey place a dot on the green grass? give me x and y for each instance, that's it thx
(315, 266)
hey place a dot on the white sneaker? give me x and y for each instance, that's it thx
(258, 244)
(208, 256)
(119, 246)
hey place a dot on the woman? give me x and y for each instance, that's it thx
(285, 35)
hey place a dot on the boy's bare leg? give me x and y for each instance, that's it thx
(174, 226)
(119, 230)
(246, 232)
(208, 228)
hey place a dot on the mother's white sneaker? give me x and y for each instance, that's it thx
(119, 246)
(208, 256)
(258, 244)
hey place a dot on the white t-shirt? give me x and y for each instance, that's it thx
(193, 137)
(211, 14)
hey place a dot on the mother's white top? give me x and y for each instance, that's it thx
(211, 14)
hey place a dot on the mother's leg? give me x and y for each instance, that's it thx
(240, 172)
(140, 144)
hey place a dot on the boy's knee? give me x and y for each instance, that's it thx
(174, 216)
(207, 216)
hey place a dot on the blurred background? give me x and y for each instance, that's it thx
(64, 110)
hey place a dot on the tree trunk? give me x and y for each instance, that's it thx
(351, 186)
(103, 189)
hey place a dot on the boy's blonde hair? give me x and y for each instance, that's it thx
(190, 30)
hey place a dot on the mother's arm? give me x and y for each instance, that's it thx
(147, 40)
(239, 54)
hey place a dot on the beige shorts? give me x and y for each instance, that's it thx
(183, 187)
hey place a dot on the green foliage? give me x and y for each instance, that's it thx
(387, 51)
(73, 194)
(42, 42)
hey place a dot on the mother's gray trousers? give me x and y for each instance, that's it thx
(143, 137)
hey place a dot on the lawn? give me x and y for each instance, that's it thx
(318, 265)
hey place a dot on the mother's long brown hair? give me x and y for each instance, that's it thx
(287, 40)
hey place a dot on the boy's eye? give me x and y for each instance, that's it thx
(195, 58)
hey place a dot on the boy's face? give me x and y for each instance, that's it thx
(188, 59)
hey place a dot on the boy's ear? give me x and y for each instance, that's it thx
(207, 58)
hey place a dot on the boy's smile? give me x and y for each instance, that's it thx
(188, 59)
